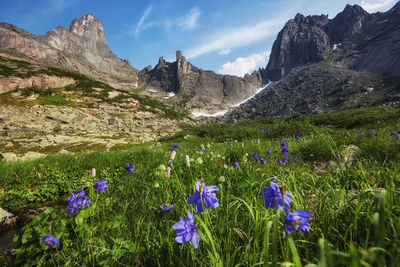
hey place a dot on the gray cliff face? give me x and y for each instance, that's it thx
(302, 40)
(82, 48)
(366, 42)
(377, 47)
(205, 88)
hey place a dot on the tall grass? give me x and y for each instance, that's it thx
(355, 205)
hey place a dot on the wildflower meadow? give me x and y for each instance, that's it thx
(282, 192)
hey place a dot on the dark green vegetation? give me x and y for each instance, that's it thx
(354, 200)
(84, 87)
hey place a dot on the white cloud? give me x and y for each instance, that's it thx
(243, 65)
(237, 37)
(143, 18)
(224, 52)
(373, 6)
(189, 21)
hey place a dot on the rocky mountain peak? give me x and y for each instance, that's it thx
(161, 61)
(88, 26)
(353, 11)
(299, 17)
(179, 56)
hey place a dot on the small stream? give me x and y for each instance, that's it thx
(25, 215)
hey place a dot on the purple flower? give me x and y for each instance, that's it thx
(296, 221)
(393, 134)
(204, 197)
(170, 163)
(186, 230)
(284, 148)
(174, 147)
(201, 148)
(297, 137)
(72, 210)
(269, 151)
(76, 200)
(273, 197)
(167, 207)
(296, 159)
(255, 156)
(101, 185)
(236, 165)
(229, 143)
(337, 155)
(130, 167)
(51, 240)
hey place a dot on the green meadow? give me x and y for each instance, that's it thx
(347, 175)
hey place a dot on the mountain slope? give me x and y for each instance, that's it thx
(82, 48)
(318, 88)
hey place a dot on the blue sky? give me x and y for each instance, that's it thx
(226, 36)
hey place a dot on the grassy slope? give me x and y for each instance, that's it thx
(355, 207)
(84, 86)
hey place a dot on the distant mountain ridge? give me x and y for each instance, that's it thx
(203, 89)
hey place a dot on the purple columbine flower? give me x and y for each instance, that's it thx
(296, 221)
(204, 197)
(186, 230)
(167, 207)
(174, 147)
(72, 210)
(284, 148)
(273, 197)
(236, 165)
(76, 200)
(51, 240)
(255, 156)
(101, 186)
(130, 167)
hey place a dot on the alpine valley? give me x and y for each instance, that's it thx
(68, 89)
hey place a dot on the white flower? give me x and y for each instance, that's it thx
(199, 160)
(173, 154)
(221, 179)
(187, 160)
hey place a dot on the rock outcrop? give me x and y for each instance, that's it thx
(204, 88)
(41, 81)
(361, 41)
(82, 48)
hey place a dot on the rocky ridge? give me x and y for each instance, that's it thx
(358, 40)
(82, 48)
(203, 89)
